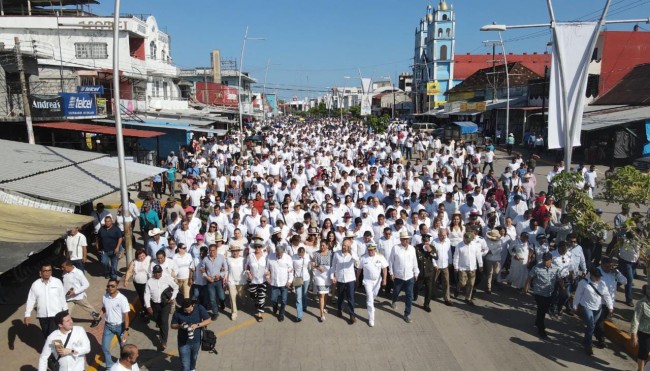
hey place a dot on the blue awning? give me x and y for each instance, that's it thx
(466, 127)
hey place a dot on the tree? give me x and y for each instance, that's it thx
(580, 209)
(630, 186)
(379, 124)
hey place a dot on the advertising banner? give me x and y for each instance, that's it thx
(433, 88)
(79, 105)
(91, 89)
(46, 106)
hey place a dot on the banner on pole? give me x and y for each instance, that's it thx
(574, 43)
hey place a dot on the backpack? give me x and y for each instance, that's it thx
(209, 341)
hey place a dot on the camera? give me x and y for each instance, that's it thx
(190, 331)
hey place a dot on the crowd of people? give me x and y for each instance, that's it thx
(326, 209)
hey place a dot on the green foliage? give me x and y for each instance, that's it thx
(379, 124)
(580, 209)
(355, 112)
(628, 186)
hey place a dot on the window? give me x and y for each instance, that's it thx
(152, 50)
(156, 88)
(448, 32)
(440, 32)
(443, 52)
(91, 50)
(444, 17)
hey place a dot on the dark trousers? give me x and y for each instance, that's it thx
(79, 264)
(161, 317)
(486, 164)
(389, 286)
(139, 288)
(543, 304)
(427, 282)
(47, 325)
(157, 189)
(346, 292)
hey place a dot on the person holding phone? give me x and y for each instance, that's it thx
(68, 345)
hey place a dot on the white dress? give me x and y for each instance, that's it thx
(322, 280)
(518, 268)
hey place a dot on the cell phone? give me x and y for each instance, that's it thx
(58, 344)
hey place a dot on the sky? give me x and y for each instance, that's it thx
(313, 45)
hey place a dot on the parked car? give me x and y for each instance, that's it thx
(427, 127)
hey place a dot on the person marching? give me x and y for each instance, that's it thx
(374, 268)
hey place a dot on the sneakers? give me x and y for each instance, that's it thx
(371, 323)
(96, 319)
(407, 319)
(233, 317)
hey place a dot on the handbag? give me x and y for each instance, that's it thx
(298, 281)
(166, 295)
(53, 361)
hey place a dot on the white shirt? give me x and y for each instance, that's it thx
(77, 281)
(236, 274)
(78, 342)
(48, 297)
(75, 245)
(403, 262)
(280, 269)
(183, 265)
(118, 367)
(257, 268)
(343, 267)
(301, 265)
(372, 266)
(155, 287)
(612, 280)
(587, 296)
(115, 308)
(467, 257)
(444, 252)
(169, 267)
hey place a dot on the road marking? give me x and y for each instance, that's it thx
(219, 334)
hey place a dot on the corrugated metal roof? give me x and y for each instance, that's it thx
(98, 129)
(20, 160)
(618, 116)
(83, 182)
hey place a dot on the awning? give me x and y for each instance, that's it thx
(98, 129)
(26, 231)
(170, 125)
(81, 182)
(466, 127)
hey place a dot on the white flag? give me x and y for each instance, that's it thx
(574, 42)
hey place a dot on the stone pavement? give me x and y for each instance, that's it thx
(496, 334)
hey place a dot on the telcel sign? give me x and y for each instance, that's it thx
(91, 89)
(79, 105)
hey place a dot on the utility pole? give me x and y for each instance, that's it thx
(23, 87)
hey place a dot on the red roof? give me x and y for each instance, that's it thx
(98, 129)
(466, 65)
(622, 51)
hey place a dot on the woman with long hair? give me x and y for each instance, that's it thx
(326, 228)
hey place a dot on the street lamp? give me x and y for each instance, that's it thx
(239, 87)
(499, 28)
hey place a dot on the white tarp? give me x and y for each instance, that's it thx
(575, 43)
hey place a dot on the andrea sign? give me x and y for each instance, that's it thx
(46, 106)
(91, 89)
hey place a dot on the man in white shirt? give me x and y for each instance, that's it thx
(76, 248)
(75, 285)
(590, 294)
(445, 258)
(48, 297)
(69, 345)
(128, 359)
(404, 270)
(116, 311)
(466, 259)
(279, 275)
(344, 277)
(374, 268)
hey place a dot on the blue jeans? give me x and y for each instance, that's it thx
(408, 293)
(189, 353)
(627, 269)
(215, 289)
(282, 293)
(109, 261)
(107, 337)
(198, 293)
(301, 298)
(590, 317)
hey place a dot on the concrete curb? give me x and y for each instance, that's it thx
(619, 337)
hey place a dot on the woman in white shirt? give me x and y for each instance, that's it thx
(255, 269)
(184, 269)
(520, 252)
(236, 278)
(139, 271)
(301, 264)
(211, 234)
